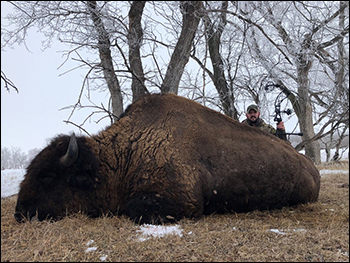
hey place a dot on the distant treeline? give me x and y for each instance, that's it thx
(14, 158)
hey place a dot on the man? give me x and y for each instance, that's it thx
(253, 119)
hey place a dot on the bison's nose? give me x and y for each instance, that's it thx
(24, 213)
(20, 217)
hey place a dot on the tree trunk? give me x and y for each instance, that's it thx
(312, 149)
(135, 37)
(106, 61)
(191, 16)
(227, 98)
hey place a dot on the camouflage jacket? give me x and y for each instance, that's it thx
(267, 127)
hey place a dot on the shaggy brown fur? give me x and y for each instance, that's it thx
(165, 159)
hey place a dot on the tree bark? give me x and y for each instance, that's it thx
(191, 16)
(104, 45)
(312, 149)
(135, 37)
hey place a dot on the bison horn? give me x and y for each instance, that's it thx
(72, 153)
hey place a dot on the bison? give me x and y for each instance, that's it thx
(166, 158)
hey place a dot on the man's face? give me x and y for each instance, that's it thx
(253, 115)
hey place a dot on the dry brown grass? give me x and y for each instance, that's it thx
(313, 232)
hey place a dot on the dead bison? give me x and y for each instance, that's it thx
(166, 158)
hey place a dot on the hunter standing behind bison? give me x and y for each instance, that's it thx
(166, 158)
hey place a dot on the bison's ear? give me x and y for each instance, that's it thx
(72, 153)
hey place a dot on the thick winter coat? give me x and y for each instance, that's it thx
(166, 158)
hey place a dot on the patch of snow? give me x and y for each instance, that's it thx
(277, 231)
(284, 232)
(147, 231)
(103, 258)
(299, 230)
(89, 249)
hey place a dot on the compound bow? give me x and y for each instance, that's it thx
(278, 101)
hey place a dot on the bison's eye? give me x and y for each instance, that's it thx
(81, 180)
(47, 178)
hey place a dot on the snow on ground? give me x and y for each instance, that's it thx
(11, 179)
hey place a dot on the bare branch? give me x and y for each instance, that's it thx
(8, 83)
(76, 125)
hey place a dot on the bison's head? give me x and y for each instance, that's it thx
(60, 179)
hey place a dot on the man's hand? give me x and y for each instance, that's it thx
(280, 125)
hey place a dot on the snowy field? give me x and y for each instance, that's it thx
(11, 179)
